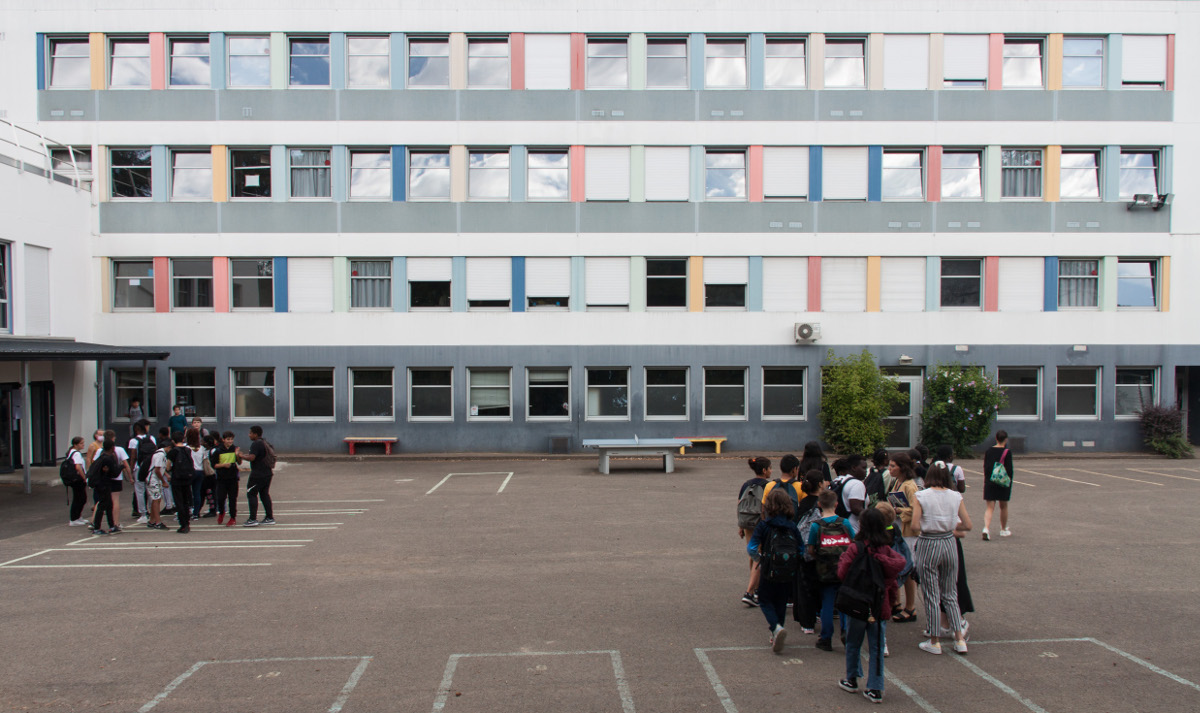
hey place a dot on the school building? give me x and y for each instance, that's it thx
(488, 226)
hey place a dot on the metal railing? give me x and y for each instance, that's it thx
(30, 152)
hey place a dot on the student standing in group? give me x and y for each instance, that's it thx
(141, 451)
(182, 474)
(76, 479)
(808, 588)
(814, 459)
(777, 545)
(123, 475)
(850, 489)
(98, 478)
(258, 485)
(208, 491)
(937, 514)
(225, 461)
(199, 456)
(198, 424)
(828, 538)
(164, 437)
(789, 469)
(158, 480)
(177, 421)
(750, 504)
(903, 479)
(995, 492)
(94, 447)
(874, 482)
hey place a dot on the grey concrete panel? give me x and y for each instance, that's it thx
(874, 217)
(1123, 105)
(146, 217)
(278, 217)
(742, 105)
(1000, 217)
(649, 105)
(361, 217)
(518, 217)
(481, 105)
(637, 218)
(983, 105)
(1110, 218)
(773, 217)
(174, 105)
(387, 105)
(67, 105)
(847, 105)
(278, 105)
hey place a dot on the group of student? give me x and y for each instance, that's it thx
(847, 539)
(176, 473)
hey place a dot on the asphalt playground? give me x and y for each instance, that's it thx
(481, 586)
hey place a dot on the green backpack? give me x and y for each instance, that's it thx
(999, 474)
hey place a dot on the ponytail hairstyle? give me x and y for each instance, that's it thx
(759, 465)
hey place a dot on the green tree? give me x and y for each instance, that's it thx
(856, 399)
(961, 401)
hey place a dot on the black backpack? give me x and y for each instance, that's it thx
(97, 477)
(780, 555)
(837, 486)
(791, 491)
(269, 455)
(862, 590)
(143, 455)
(66, 470)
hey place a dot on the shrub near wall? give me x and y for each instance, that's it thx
(1162, 428)
(961, 401)
(856, 399)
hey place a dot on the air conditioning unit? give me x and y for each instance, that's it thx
(807, 332)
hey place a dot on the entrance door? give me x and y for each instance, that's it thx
(906, 419)
(41, 395)
(8, 432)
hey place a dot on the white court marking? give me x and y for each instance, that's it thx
(338, 703)
(1165, 475)
(1059, 477)
(141, 564)
(615, 656)
(493, 472)
(291, 502)
(1118, 477)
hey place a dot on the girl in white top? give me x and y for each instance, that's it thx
(937, 513)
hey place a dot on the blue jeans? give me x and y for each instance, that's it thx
(197, 495)
(874, 632)
(772, 599)
(828, 596)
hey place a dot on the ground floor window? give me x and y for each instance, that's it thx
(430, 394)
(253, 394)
(666, 393)
(608, 394)
(371, 395)
(489, 393)
(783, 393)
(1078, 392)
(549, 394)
(312, 394)
(1022, 385)
(724, 394)
(128, 384)
(196, 391)
(1135, 390)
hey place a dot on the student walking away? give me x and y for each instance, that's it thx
(868, 570)
(776, 544)
(937, 514)
(208, 491)
(945, 455)
(901, 548)
(828, 538)
(789, 468)
(997, 483)
(749, 512)
(852, 494)
(904, 485)
(808, 589)
(875, 483)
(98, 479)
(182, 473)
(225, 461)
(156, 483)
(73, 474)
(199, 456)
(141, 452)
(177, 421)
(123, 475)
(814, 459)
(262, 463)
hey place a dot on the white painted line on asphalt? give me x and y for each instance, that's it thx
(443, 694)
(1031, 641)
(161, 548)
(179, 542)
(1165, 475)
(351, 682)
(1147, 664)
(171, 687)
(85, 566)
(504, 484)
(714, 680)
(1035, 708)
(292, 502)
(1059, 477)
(492, 472)
(405, 480)
(35, 554)
(1118, 477)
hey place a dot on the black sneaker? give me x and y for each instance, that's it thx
(268, 521)
(115, 529)
(168, 511)
(873, 696)
(99, 532)
(749, 599)
(849, 685)
(825, 644)
(210, 513)
(158, 526)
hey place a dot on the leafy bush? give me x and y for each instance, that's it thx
(856, 400)
(1162, 429)
(961, 401)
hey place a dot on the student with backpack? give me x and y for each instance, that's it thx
(183, 470)
(875, 481)
(876, 579)
(852, 494)
(945, 455)
(98, 479)
(808, 590)
(938, 514)
(258, 485)
(828, 538)
(141, 452)
(73, 476)
(789, 466)
(158, 481)
(776, 544)
(997, 483)
(903, 480)
(814, 459)
(749, 511)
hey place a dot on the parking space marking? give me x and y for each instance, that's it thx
(1118, 477)
(1059, 477)
(443, 694)
(138, 564)
(292, 502)
(1165, 475)
(1035, 708)
(492, 472)
(163, 543)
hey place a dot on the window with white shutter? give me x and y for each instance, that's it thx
(1022, 280)
(37, 291)
(548, 282)
(844, 173)
(785, 284)
(310, 284)
(844, 284)
(607, 282)
(547, 61)
(725, 281)
(785, 172)
(1144, 61)
(428, 282)
(606, 173)
(667, 173)
(489, 283)
(905, 61)
(902, 284)
(965, 61)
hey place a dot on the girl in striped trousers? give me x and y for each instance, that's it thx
(937, 514)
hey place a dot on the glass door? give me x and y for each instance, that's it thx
(906, 418)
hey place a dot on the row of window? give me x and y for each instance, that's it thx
(548, 393)
(846, 173)
(904, 285)
(605, 62)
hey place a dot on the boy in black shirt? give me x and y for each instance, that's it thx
(225, 460)
(259, 483)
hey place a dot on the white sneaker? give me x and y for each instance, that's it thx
(1006, 532)
(143, 520)
(885, 651)
(931, 648)
(986, 535)
(78, 523)
(960, 647)
(778, 639)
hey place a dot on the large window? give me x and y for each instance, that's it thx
(965, 61)
(902, 176)
(312, 394)
(608, 394)
(130, 173)
(962, 283)
(1137, 283)
(607, 63)
(666, 63)
(191, 175)
(430, 394)
(74, 163)
(845, 64)
(962, 175)
(548, 283)
(70, 63)
(196, 391)
(724, 394)
(783, 393)
(429, 175)
(429, 63)
(666, 283)
(725, 175)
(1022, 386)
(725, 280)
(548, 176)
(1135, 390)
(370, 284)
(367, 63)
(429, 283)
(487, 63)
(129, 67)
(190, 62)
(371, 397)
(785, 63)
(1021, 173)
(309, 62)
(311, 173)
(251, 173)
(370, 175)
(1139, 173)
(252, 283)
(253, 394)
(133, 284)
(666, 393)
(1078, 392)
(725, 63)
(128, 384)
(549, 394)
(1078, 283)
(249, 62)
(489, 394)
(487, 175)
(1022, 67)
(5, 282)
(191, 283)
(1080, 175)
(1083, 62)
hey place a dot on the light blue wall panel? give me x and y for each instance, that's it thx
(216, 61)
(399, 173)
(933, 279)
(1050, 290)
(41, 61)
(339, 167)
(337, 60)
(517, 160)
(399, 284)
(160, 172)
(518, 284)
(281, 284)
(697, 183)
(696, 60)
(874, 173)
(1113, 62)
(814, 173)
(756, 60)
(754, 288)
(578, 284)
(399, 64)
(1110, 182)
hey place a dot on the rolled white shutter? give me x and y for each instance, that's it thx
(310, 284)
(547, 61)
(906, 61)
(785, 171)
(965, 57)
(489, 278)
(548, 276)
(37, 291)
(844, 284)
(844, 173)
(606, 173)
(1022, 281)
(902, 284)
(667, 172)
(428, 269)
(785, 284)
(1144, 58)
(607, 280)
(726, 270)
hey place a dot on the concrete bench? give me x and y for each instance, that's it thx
(637, 447)
(387, 441)
(715, 440)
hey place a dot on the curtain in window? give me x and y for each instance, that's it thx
(371, 283)
(1022, 174)
(1078, 285)
(310, 174)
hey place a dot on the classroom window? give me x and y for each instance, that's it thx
(128, 384)
(370, 175)
(607, 283)
(430, 394)
(962, 283)
(725, 280)
(548, 283)
(429, 175)
(252, 283)
(429, 283)
(70, 63)
(666, 283)
(370, 284)
(489, 394)
(902, 176)
(129, 66)
(785, 64)
(548, 176)
(487, 175)
(666, 393)
(251, 173)
(549, 395)
(429, 63)
(1022, 64)
(1078, 392)
(371, 395)
(253, 393)
(1083, 62)
(607, 63)
(191, 283)
(1079, 177)
(368, 63)
(965, 61)
(1137, 283)
(133, 284)
(666, 63)
(1135, 390)
(724, 296)
(725, 175)
(1144, 61)
(1078, 283)
(191, 175)
(196, 391)
(487, 63)
(845, 64)
(311, 173)
(308, 62)
(1022, 386)
(962, 175)
(130, 173)
(1139, 173)
(312, 394)
(785, 172)
(73, 163)
(608, 394)
(725, 64)
(489, 283)
(190, 62)
(724, 394)
(249, 62)
(783, 394)
(1021, 173)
